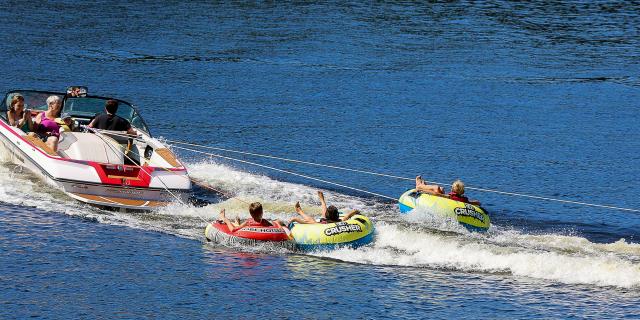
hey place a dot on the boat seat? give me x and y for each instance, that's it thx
(90, 147)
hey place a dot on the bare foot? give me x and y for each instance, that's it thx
(298, 207)
(222, 216)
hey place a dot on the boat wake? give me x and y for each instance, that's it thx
(417, 240)
(548, 257)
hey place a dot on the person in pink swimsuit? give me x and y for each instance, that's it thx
(46, 127)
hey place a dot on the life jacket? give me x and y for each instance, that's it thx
(261, 223)
(456, 197)
(63, 125)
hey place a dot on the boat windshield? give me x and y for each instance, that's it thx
(90, 106)
(77, 107)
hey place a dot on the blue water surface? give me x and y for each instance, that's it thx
(56, 266)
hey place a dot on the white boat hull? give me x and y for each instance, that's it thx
(84, 180)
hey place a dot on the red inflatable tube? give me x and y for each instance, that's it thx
(217, 229)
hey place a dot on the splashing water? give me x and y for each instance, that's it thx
(418, 239)
(400, 246)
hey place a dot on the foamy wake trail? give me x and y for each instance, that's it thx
(413, 240)
(281, 196)
(566, 259)
(406, 247)
(566, 244)
(21, 188)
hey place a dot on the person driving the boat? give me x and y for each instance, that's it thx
(110, 121)
(18, 116)
(457, 191)
(46, 127)
(256, 220)
(330, 214)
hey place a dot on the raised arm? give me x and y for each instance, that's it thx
(323, 204)
(349, 215)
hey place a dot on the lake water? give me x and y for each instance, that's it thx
(530, 98)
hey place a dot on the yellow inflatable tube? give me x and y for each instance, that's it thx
(474, 218)
(354, 232)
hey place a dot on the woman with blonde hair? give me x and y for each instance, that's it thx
(457, 191)
(18, 116)
(47, 127)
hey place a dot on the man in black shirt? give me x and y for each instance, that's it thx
(110, 121)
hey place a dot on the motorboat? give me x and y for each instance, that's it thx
(105, 168)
